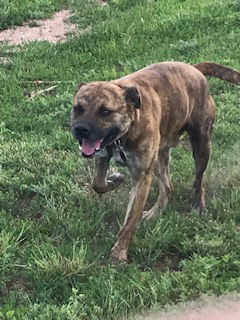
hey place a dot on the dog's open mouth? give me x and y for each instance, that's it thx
(90, 147)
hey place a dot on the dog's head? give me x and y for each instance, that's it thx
(102, 113)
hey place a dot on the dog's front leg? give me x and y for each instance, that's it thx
(101, 182)
(138, 197)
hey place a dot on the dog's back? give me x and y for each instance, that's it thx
(178, 89)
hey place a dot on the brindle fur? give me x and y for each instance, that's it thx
(151, 109)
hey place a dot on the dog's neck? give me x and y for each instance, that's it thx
(131, 133)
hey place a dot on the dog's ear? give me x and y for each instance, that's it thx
(133, 96)
(80, 85)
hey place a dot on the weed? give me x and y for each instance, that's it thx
(53, 262)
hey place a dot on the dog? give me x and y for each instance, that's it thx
(137, 119)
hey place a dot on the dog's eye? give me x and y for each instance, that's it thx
(78, 109)
(104, 112)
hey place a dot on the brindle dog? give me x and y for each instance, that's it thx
(138, 119)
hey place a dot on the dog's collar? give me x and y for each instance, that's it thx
(119, 147)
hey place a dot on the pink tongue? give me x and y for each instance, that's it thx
(89, 146)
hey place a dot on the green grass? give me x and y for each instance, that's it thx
(55, 233)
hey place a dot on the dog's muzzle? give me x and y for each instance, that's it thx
(90, 143)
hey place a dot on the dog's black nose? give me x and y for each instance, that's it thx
(82, 131)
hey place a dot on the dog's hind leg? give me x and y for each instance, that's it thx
(200, 137)
(164, 184)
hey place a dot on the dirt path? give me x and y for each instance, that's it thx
(52, 30)
(223, 308)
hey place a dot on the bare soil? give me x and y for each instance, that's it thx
(223, 308)
(53, 30)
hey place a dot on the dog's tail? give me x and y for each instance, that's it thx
(219, 71)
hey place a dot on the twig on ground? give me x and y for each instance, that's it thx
(34, 94)
(46, 81)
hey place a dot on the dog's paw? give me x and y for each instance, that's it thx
(116, 261)
(115, 180)
(198, 201)
(156, 210)
(199, 206)
(200, 209)
(146, 215)
(118, 255)
(111, 183)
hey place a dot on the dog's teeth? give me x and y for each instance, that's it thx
(80, 148)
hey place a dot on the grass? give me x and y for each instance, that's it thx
(55, 233)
